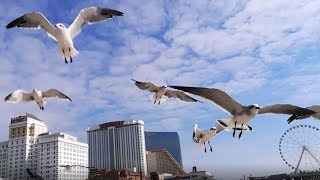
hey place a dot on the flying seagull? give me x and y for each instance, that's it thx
(35, 95)
(163, 91)
(241, 114)
(204, 136)
(61, 34)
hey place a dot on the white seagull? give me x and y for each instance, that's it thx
(35, 95)
(61, 34)
(204, 136)
(241, 114)
(163, 91)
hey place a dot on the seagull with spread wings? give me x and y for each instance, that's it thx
(241, 114)
(163, 91)
(35, 95)
(62, 35)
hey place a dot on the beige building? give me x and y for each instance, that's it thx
(161, 161)
(52, 156)
(20, 127)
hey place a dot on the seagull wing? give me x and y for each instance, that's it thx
(54, 93)
(180, 95)
(285, 109)
(33, 20)
(218, 97)
(19, 95)
(146, 86)
(296, 111)
(315, 108)
(91, 15)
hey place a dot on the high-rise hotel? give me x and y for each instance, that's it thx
(118, 145)
(52, 156)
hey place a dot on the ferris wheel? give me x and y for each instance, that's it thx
(299, 148)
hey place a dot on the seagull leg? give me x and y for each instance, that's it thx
(65, 59)
(155, 101)
(234, 129)
(205, 150)
(240, 131)
(210, 146)
(70, 55)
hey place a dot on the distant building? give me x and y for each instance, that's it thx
(117, 175)
(118, 145)
(31, 146)
(194, 175)
(161, 161)
(164, 140)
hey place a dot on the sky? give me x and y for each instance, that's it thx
(261, 52)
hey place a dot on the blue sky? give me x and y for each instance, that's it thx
(260, 52)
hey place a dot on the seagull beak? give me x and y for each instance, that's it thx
(258, 107)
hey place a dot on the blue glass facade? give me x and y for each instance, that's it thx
(164, 140)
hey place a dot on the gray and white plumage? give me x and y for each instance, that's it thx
(242, 114)
(36, 95)
(204, 136)
(163, 91)
(64, 36)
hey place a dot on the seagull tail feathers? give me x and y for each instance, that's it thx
(74, 52)
(228, 125)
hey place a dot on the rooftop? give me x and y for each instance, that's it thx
(24, 118)
(115, 124)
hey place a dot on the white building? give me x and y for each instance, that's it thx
(118, 145)
(30, 145)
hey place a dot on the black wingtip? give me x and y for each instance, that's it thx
(7, 97)
(69, 98)
(16, 22)
(112, 12)
(291, 118)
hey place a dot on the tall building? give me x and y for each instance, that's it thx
(161, 161)
(164, 140)
(118, 145)
(31, 146)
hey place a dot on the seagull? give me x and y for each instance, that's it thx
(35, 95)
(62, 35)
(241, 114)
(163, 91)
(205, 135)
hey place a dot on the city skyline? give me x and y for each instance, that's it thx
(259, 52)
